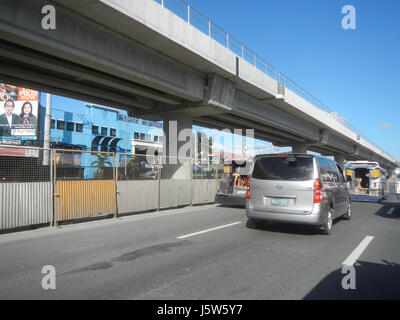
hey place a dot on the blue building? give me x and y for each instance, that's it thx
(99, 129)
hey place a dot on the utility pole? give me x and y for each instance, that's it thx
(47, 127)
(126, 139)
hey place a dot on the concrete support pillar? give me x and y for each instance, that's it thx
(339, 158)
(178, 148)
(299, 148)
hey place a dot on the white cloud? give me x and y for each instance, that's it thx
(386, 125)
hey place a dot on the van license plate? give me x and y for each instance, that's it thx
(241, 192)
(280, 202)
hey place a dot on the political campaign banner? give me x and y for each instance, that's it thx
(18, 113)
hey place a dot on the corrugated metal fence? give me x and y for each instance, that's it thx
(26, 188)
(78, 184)
(136, 196)
(25, 204)
(84, 199)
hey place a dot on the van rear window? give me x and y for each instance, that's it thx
(283, 168)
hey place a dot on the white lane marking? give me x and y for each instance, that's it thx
(352, 258)
(391, 211)
(208, 230)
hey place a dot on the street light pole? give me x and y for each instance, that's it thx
(126, 139)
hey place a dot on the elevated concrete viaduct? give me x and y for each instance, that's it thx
(139, 56)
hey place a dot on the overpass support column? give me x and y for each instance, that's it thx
(299, 148)
(339, 158)
(178, 148)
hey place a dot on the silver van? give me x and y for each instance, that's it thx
(297, 188)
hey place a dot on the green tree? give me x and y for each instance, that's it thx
(101, 162)
(134, 168)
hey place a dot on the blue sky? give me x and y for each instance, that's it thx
(353, 72)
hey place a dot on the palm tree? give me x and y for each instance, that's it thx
(134, 168)
(100, 163)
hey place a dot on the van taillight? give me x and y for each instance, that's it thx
(317, 191)
(248, 188)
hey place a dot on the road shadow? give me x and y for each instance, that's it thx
(289, 228)
(235, 206)
(383, 211)
(373, 281)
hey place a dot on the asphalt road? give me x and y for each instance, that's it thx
(208, 252)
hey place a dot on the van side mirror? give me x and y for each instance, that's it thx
(348, 179)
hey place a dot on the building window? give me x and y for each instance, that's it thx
(53, 123)
(70, 126)
(155, 138)
(113, 132)
(95, 130)
(142, 136)
(136, 136)
(79, 127)
(104, 131)
(60, 124)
